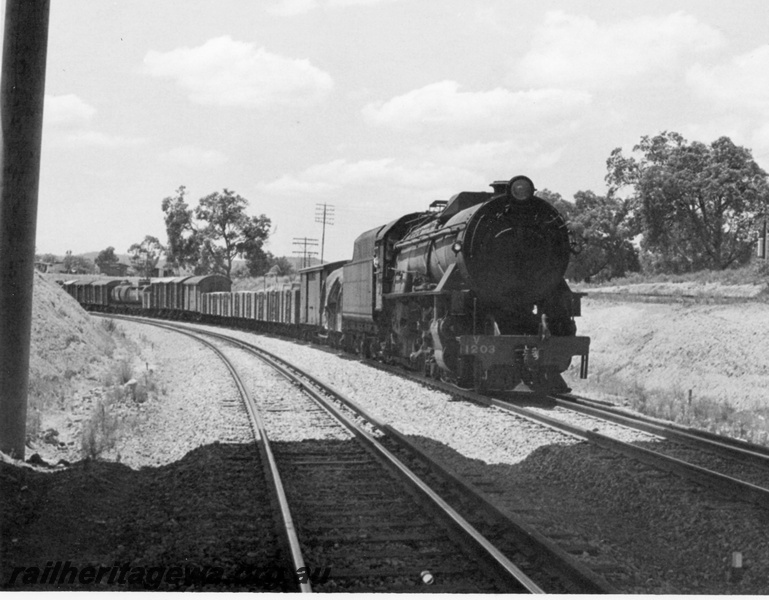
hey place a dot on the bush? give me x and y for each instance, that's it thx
(109, 325)
(698, 411)
(100, 433)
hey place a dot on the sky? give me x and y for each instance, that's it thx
(373, 107)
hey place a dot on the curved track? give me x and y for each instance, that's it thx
(720, 466)
(731, 467)
(272, 473)
(390, 530)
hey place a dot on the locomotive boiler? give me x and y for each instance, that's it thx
(472, 291)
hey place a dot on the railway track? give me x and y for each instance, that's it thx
(350, 509)
(723, 446)
(731, 467)
(347, 509)
(721, 465)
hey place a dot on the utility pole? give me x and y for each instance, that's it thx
(324, 213)
(304, 242)
(22, 91)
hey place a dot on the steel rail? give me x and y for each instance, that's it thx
(733, 487)
(295, 374)
(260, 432)
(584, 579)
(718, 481)
(723, 446)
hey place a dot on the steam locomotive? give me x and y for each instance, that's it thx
(471, 291)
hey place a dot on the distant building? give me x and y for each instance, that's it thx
(116, 270)
(163, 272)
(50, 267)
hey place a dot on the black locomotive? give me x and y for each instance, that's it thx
(471, 291)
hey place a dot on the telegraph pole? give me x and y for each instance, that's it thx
(304, 242)
(324, 213)
(22, 91)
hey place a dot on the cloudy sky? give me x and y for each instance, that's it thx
(376, 107)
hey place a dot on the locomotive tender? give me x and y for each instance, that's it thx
(471, 291)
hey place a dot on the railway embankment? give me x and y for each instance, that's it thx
(690, 352)
(173, 505)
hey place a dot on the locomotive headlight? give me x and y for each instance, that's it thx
(521, 188)
(457, 247)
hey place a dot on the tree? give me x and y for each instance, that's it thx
(562, 206)
(77, 264)
(145, 255)
(601, 225)
(285, 266)
(106, 259)
(47, 258)
(256, 232)
(184, 241)
(600, 231)
(216, 232)
(696, 205)
(229, 232)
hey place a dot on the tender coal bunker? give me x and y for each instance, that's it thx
(516, 251)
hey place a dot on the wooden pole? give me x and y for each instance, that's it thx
(22, 92)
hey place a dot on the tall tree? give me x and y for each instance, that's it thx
(77, 264)
(228, 231)
(696, 205)
(47, 258)
(184, 241)
(256, 233)
(600, 228)
(217, 231)
(565, 208)
(106, 259)
(145, 255)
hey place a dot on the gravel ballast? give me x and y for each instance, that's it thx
(171, 498)
(179, 502)
(667, 535)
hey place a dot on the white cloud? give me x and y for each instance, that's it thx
(68, 115)
(334, 175)
(224, 72)
(66, 109)
(500, 158)
(443, 104)
(97, 139)
(741, 83)
(577, 51)
(448, 170)
(192, 156)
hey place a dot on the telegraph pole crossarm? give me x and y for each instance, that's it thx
(324, 213)
(305, 242)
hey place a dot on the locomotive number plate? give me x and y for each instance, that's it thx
(479, 349)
